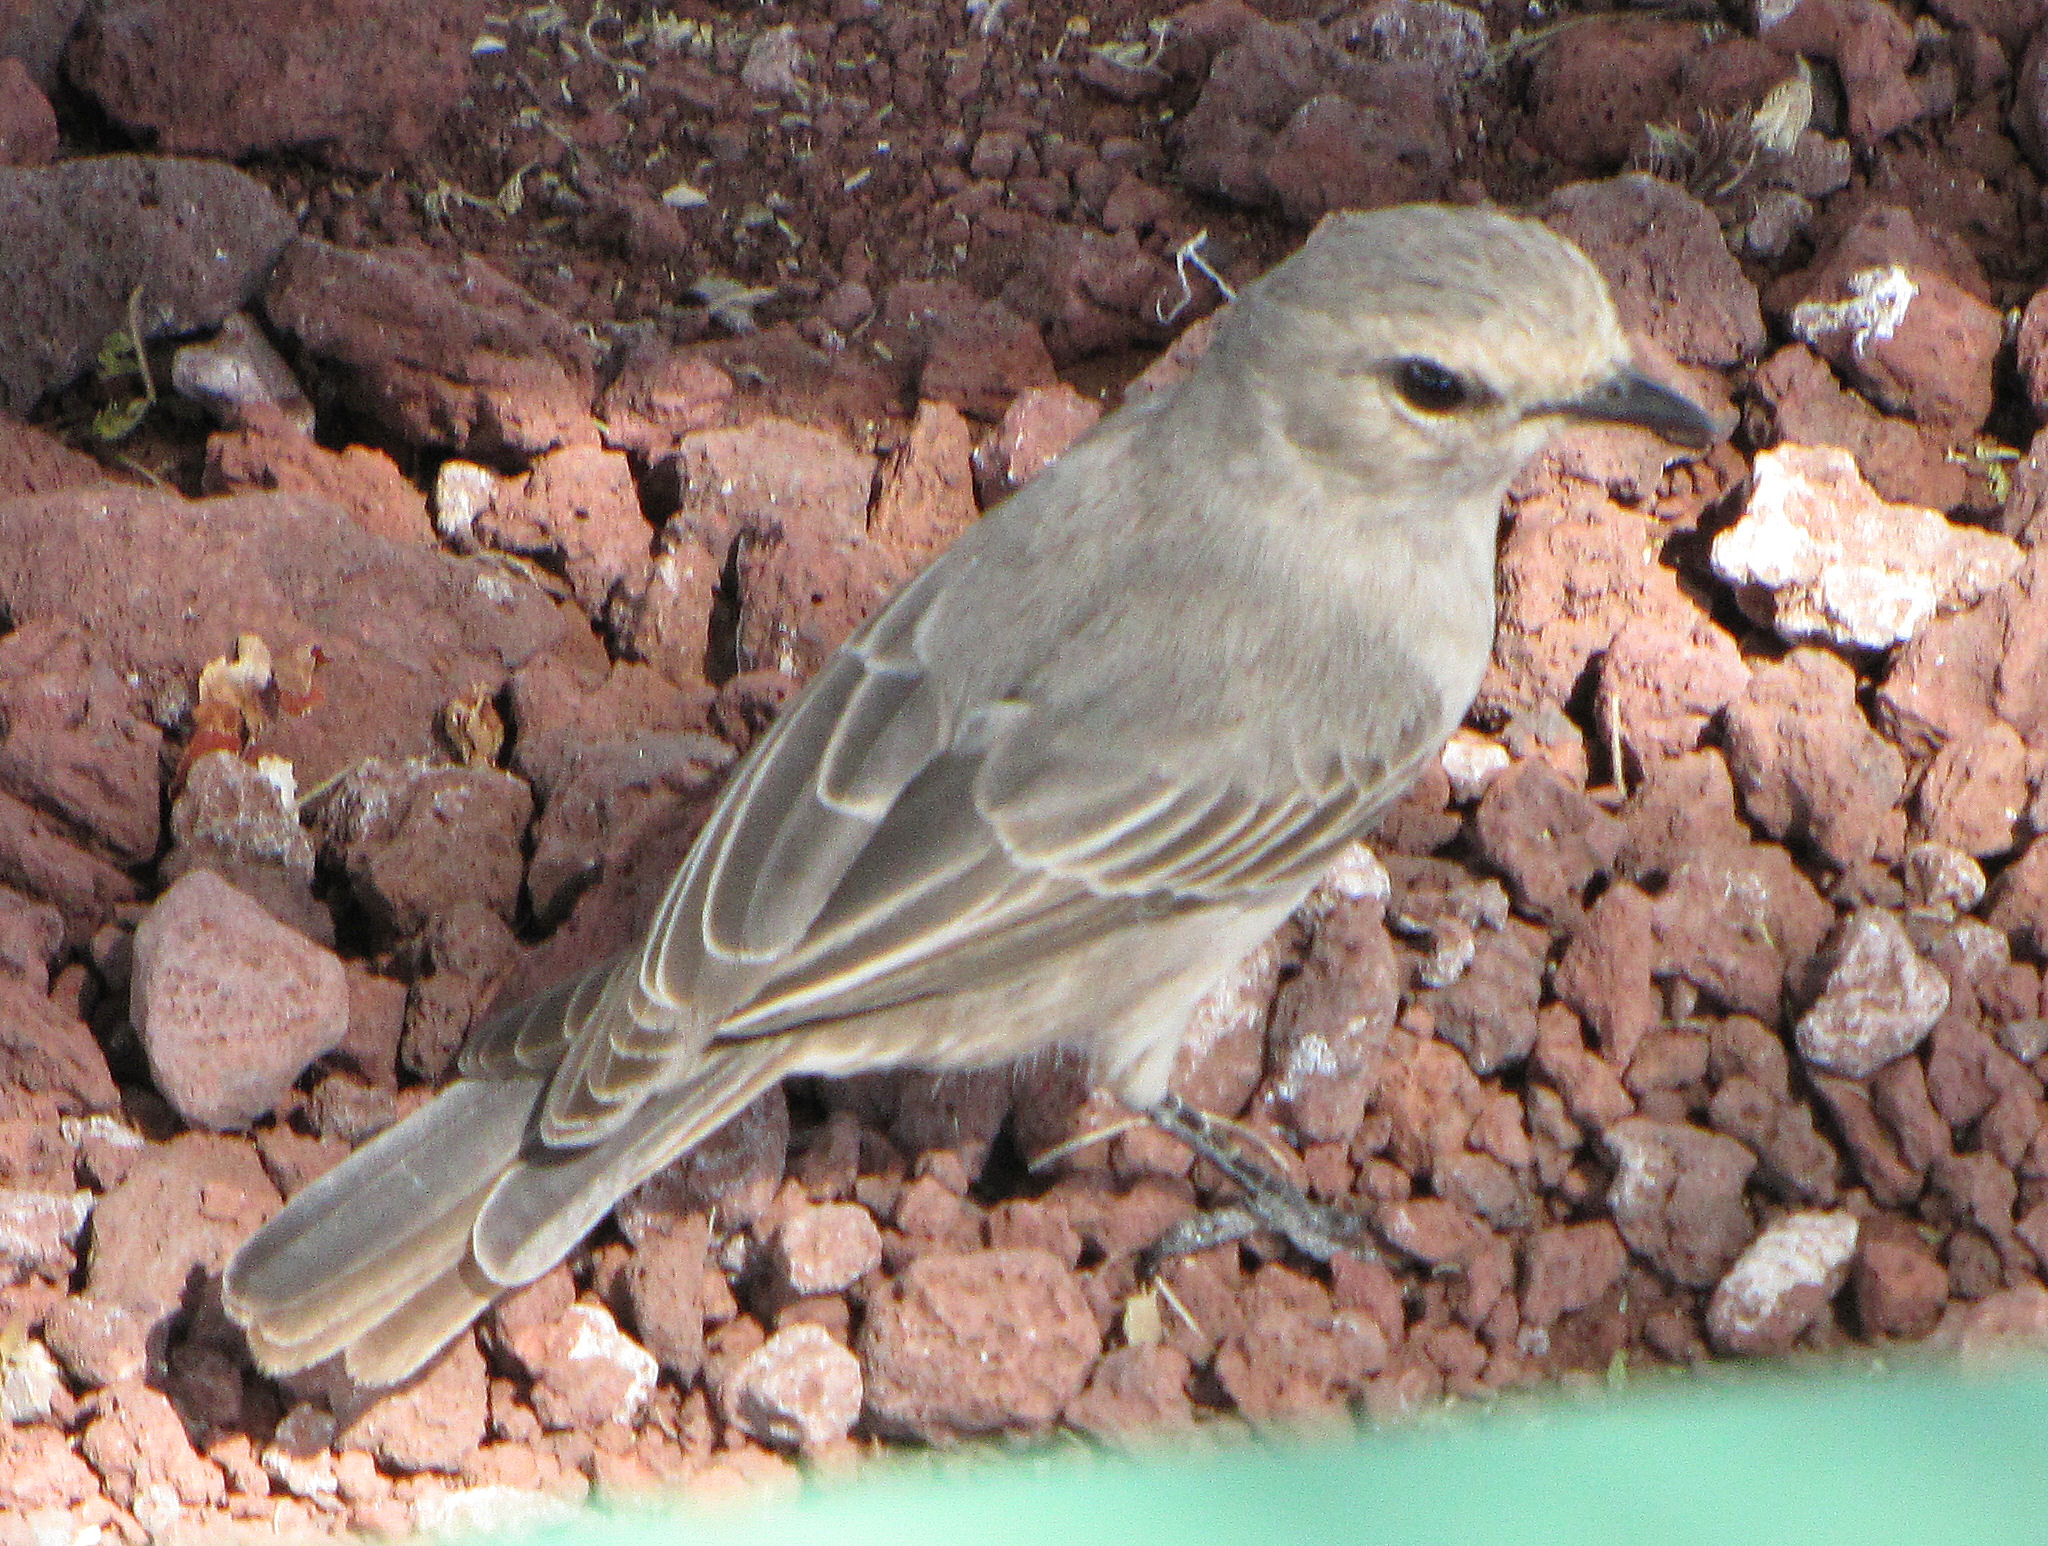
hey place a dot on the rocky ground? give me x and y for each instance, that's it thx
(433, 442)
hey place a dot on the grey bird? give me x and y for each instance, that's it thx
(1064, 779)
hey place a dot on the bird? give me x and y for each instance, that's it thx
(1066, 777)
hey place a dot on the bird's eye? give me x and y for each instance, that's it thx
(1431, 387)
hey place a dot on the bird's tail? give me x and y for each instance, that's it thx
(398, 1248)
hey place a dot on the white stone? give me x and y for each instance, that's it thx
(599, 1336)
(1755, 1301)
(1818, 555)
(1880, 1002)
(1471, 762)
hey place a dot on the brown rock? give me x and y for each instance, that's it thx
(76, 239)
(1569, 1267)
(230, 1004)
(1083, 290)
(659, 395)
(1903, 330)
(74, 743)
(1135, 1393)
(822, 1250)
(668, 625)
(1436, 1232)
(664, 1288)
(605, 795)
(1338, 153)
(417, 839)
(1591, 1086)
(1870, 46)
(1967, 1071)
(1489, 1013)
(395, 626)
(926, 495)
(242, 823)
(370, 80)
(99, 1342)
(449, 355)
(1683, 806)
(138, 1445)
(1734, 922)
(31, 935)
(1485, 1185)
(1298, 1356)
(2012, 1322)
(576, 511)
(28, 124)
(803, 591)
(1547, 838)
(46, 1052)
(1605, 972)
(1430, 1098)
(365, 483)
(1593, 90)
(585, 1371)
(182, 1208)
(1674, 280)
(770, 474)
(1809, 407)
(432, 1423)
(1878, 1162)
(1900, 1290)
(1809, 766)
(1664, 678)
(468, 950)
(1327, 1044)
(32, 462)
(1988, 660)
(1972, 794)
(1575, 567)
(972, 353)
(2019, 898)
(1677, 1197)
(1039, 424)
(976, 1342)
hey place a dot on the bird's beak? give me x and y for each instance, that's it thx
(1628, 398)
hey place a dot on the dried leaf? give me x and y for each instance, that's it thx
(1143, 1324)
(296, 674)
(216, 727)
(474, 732)
(240, 680)
(732, 303)
(1784, 113)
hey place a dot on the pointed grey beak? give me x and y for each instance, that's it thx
(1627, 398)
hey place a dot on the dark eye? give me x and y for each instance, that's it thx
(1431, 387)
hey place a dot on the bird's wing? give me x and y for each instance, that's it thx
(883, 843)
(982, 869)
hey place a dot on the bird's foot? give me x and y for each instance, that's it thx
(1271, 1201)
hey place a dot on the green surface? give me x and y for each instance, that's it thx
(1807, 1458)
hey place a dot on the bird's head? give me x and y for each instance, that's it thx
(1440, 347)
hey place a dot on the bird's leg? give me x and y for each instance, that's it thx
(1271, 1201)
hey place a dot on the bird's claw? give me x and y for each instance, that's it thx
(1317, 1229)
